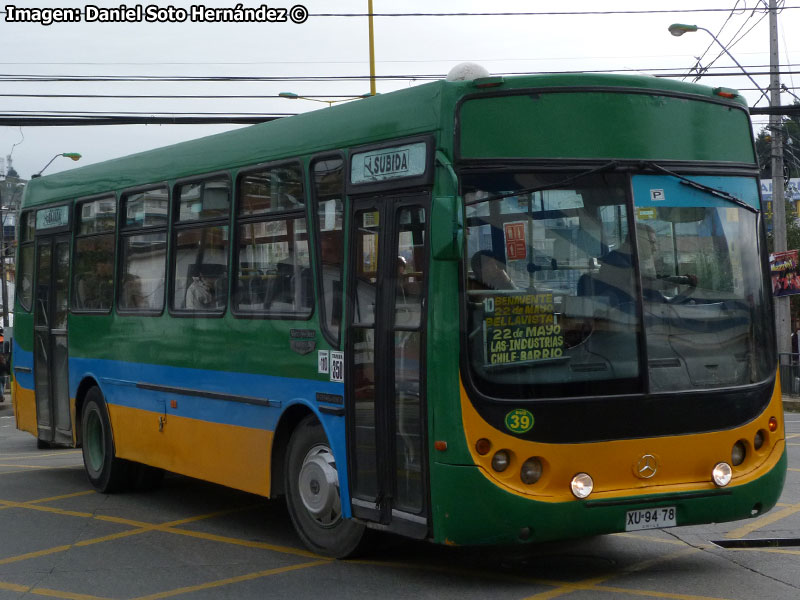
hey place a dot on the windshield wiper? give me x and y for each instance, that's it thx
(703, 188)
(551, 186)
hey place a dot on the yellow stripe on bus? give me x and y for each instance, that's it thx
(230, 455)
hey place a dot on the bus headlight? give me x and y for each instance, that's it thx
(582, 485)
(738, 453)
(758, 440)
(721, 475)
(500, 461)
(531, 471)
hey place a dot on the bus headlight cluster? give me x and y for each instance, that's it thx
(721, 475)
(582, 485)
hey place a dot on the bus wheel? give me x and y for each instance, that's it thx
(312, 494)
(106, 472)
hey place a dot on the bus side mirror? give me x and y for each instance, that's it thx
(447, 236)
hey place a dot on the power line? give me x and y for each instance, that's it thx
(658, 72)
(535, 14)
(520, 13)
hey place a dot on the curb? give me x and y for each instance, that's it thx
(791, 404)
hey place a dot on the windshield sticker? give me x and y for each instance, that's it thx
(519, 420)
(515, 240)
(521, 328)
(666, 190)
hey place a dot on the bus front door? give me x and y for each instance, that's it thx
(385, 363)
(51, 374)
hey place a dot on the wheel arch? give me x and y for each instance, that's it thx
(84, 386)
(280, 441)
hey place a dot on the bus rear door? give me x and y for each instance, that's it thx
(51, 372)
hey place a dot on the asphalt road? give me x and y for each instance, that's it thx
(193, 540)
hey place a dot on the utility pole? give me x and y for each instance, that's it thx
(3, 286)
(782, 316)
(371, 50)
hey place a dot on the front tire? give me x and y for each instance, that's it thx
(312, 494)
(105, 471)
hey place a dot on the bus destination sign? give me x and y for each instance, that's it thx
(388, 163)
(50, 218)
(521, 328)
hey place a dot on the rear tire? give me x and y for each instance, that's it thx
(106, 472)
(312, 494)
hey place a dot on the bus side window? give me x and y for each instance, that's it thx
(143, 251)
(272, 251)
(328, 182)
(200, 259)
(93, 270)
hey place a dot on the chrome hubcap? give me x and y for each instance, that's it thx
(318, 484)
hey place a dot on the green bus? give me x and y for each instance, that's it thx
(485, 310)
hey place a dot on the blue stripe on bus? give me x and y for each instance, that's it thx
(119, 380)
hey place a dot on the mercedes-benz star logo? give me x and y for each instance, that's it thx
(646, 467)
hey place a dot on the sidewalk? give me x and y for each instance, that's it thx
(791, 403)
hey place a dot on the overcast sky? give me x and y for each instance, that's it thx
(338, 46)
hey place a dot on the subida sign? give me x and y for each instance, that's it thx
(388, 163)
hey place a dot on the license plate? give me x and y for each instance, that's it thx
(650, 518)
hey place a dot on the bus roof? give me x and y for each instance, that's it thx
(421, 109)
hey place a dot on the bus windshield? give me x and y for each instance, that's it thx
(613, 284)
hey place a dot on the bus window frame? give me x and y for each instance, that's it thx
(314, 202)
(284, 214)
(77, 205)
(175, 226)
(137, 230)
(28, 243)
(425, 180)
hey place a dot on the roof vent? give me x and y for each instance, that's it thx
(467, 72)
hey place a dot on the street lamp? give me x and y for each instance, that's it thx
(73, 155)
(293, 96)
(678, 29)
(782, 311)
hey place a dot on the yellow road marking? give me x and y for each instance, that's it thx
(24, 456)
(63, 595)
(772, 550)
(21, 468)
(768, 519)
(40, 467)
(239, 542)
(792, 436)
(651, 593)
(592, 584)
(61, 497)
(649, 538)
(37, 554)
(795, 470)
(231, 580)
(143, 527)
(13, 587)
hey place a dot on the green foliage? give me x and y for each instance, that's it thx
(792, 230)
(791, 147)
